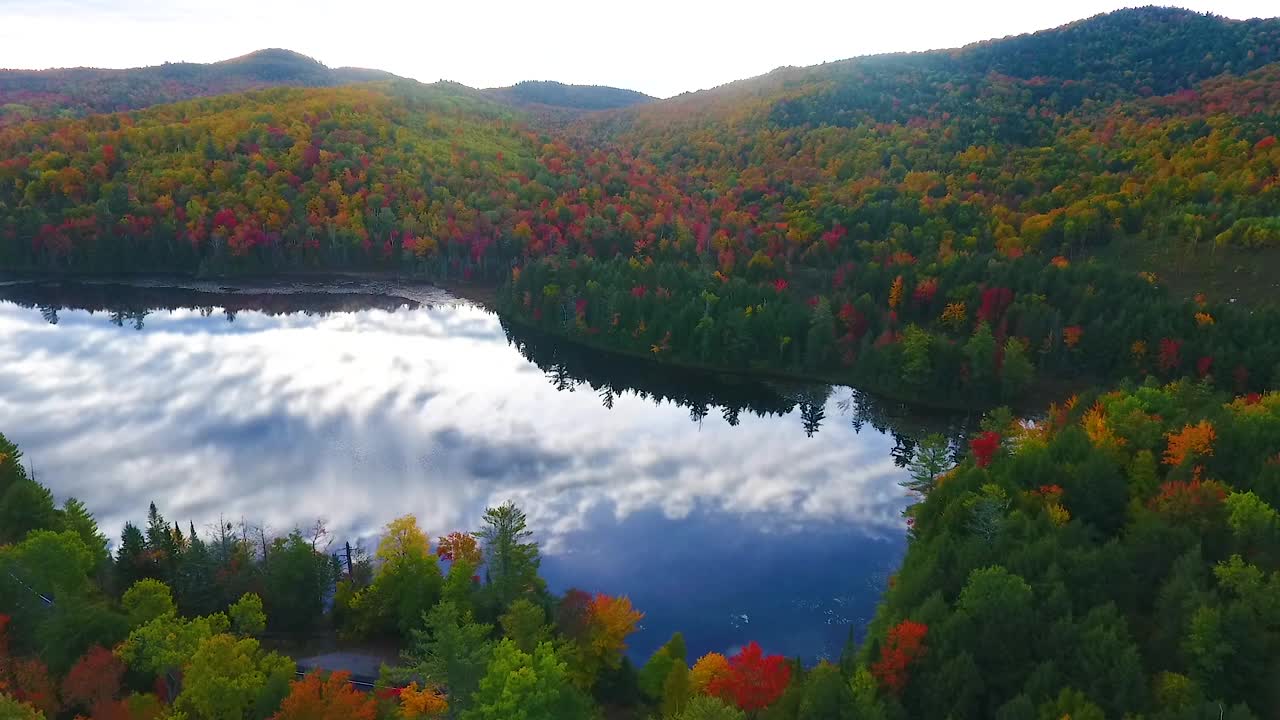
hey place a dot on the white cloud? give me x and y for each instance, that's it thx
(361, 417)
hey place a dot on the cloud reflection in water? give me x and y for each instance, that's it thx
(362, 416)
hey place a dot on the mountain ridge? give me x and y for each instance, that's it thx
(79, 91)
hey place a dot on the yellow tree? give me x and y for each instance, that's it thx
(895, 293)
(611, 620)
(404, 540)
(419, 704)
(1192, 441)
(708, 668)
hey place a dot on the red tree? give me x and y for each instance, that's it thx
(1170, 357)
(984, 448)
(33, 685)
(903, 646)
(573, 616)
(754, 680)
(459, 546)
(995, 301)
(94, 680)
(1204, 365)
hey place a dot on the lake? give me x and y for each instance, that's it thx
(728, 508)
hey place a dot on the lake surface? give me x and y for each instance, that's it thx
(730, 509)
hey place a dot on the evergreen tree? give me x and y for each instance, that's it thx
(827, 695)
(930, 459)
(452, 651)
(511, 561)
(653, 676)
(131, 556)
(77, 518)
(25, 507)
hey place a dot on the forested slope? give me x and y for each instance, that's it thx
(913, 220)
(951, 227)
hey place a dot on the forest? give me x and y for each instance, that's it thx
(951, 228)
(1121, 556)
(1087, 214)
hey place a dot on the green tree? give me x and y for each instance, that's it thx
(1108, 666)
(530, 687)
(196, 586)
(702, 707)
(452, 651)
(917, 356)
(820, 342)
(25, 507)
(1254, 523)
(168, 642)
(653, 676)
(931, 458)
(460, 585)
(827, 696)
(511, 561)
(1073, 704)
(76, 517)
(980, 351)
(675, 689)
(228, 678)
(11, 470)
(72, 626)
(995, 598)
(247, 616)
(52, 563)
(525, 624)
(161, 544)
(147, 600)
(131, 562)
(295, 579)
(1017, 372)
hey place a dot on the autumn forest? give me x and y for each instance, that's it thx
(1071, 233)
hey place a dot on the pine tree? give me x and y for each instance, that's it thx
(131, 560)
(76, 517)
(930, 460)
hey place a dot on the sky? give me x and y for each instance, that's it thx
(661, 47)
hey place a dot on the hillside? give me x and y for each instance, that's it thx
(930, 225)
(75, 92)
(535, 94)
(924, 196)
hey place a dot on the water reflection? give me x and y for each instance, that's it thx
(318, 402)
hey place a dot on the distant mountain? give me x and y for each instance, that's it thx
(573, 97)
(75, 92)
(987, 88)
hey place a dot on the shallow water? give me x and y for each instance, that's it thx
(732, 510)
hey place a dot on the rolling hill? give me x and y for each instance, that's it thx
(75, 92)
(536, 94)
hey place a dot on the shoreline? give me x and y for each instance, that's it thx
(485, 295)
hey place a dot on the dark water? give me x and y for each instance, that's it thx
(733, 510)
